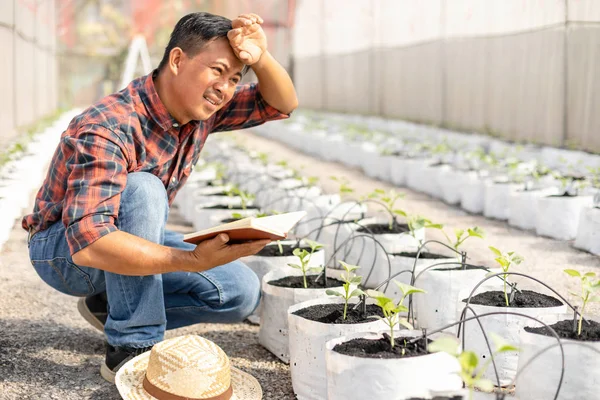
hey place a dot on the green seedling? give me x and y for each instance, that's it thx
(461, 235)
(280, 247)
(344, 188)
(304, 257)
(245, 197)
(311, 180)
(469, 362)
(416, 222)
(263, 158)
(506, 260)
(350, 287)
(389, 200)
(589, 287)
(391, 311)
(314, 246)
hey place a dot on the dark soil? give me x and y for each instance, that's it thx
(424, 255)
(525, 299)
(228, 220)
(297, 282)
(589, 332)
(334, 314)
(273, 251)
(468, 267)
(217, 194)
(563, 195)
(438, 398)
(224, 207)
(380, 229)
(380, 348)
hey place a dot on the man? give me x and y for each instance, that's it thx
(98, 225)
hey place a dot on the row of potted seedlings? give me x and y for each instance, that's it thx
(334, 326)
(481, 175)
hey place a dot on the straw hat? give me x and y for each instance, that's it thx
(185, 368)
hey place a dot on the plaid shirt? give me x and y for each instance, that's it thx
(129, 131)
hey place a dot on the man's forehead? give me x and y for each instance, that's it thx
(219, 51)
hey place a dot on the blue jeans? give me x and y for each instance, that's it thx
(142, 307)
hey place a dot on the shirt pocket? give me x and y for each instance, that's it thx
(64, 276)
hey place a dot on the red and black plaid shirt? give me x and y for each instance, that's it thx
(126, 132)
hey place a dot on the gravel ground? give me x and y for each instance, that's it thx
(47, 351)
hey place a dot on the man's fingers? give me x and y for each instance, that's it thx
(257, 18)
(232, 34)
(250, 248)
(245, 56)
(251, 17)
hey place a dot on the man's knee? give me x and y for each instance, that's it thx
(241, 299)
(145, 189)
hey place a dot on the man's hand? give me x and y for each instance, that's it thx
(214, 252)
(247, 38)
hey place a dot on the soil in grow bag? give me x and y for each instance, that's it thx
(439, 398)
(273, 251)
(334, 314)
(380, 229)
(523, 299)
(224, 207)
(468, 267)
(381, 348)
(589, 332)
(424, 255)
(217, 194)
(297, 282)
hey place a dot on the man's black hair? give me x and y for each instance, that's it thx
(194, 31)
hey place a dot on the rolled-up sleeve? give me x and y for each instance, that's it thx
(246, 109)
(97, 175)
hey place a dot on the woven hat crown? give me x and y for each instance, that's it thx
(189, 366)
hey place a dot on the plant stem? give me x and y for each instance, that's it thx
(581, 316)
(345, 308)
(304, 277)
(505, 296)
(392, 335)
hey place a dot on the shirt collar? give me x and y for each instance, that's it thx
(155, 106)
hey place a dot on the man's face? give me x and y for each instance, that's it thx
(207, 81)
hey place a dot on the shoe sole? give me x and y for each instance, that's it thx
(88, 316)
(107, 374)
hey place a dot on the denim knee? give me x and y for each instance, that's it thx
(146, 190)
(242, 298)
(144, 206)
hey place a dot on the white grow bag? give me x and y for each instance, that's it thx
(418, 174)
(262, 265)
(451, 182)
(558, 217)
(307, 348)
(588, 232)
(522, 207)
(398, 170)
(273, 333)
(472, 197)
(351, 377)
(398, 264)
(439, 306)
(496, 199)
(509, 328)
(380, 167)
(539, 380)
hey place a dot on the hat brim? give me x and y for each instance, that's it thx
(130, 377)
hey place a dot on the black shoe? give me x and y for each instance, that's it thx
(94, 309)
(116, 357)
